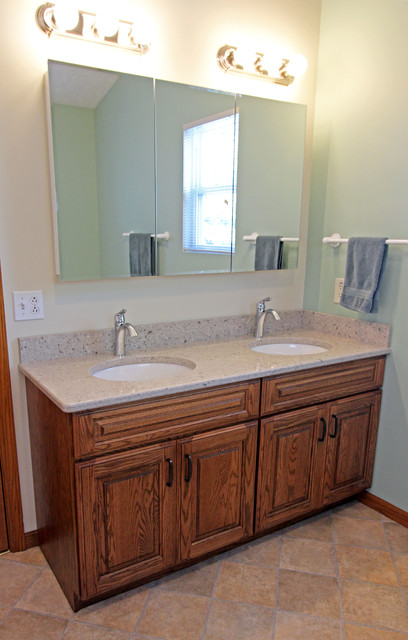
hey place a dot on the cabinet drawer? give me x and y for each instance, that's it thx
(321, 384)
(164, 418)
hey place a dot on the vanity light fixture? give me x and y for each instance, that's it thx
(282, 71)
(75, 23)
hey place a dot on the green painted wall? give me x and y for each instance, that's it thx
(75, 179)
(359, 188)
(124, 133)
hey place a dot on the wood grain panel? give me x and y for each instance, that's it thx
(351, 446)
(289, 467)
(217, 502)
(52, 454)
(150, 421)
(126, 518)
(8, 450)
(3, 523)
(314, 386)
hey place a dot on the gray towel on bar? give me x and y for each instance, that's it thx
(365, 266)
(142, 254)
(268, 253)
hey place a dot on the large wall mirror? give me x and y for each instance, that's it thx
(158, 178)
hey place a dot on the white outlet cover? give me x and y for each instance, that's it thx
(28, 305)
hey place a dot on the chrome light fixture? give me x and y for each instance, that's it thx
(281, 70)
(75, 23)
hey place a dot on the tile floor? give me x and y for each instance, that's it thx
(342, 575)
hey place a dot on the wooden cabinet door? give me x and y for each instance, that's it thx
(217, 479)
(126, 517)
(351, 440)
(290, 467)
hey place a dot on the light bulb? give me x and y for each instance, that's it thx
(296, 66)
(106, 25)
(245, 58)
(65, 17)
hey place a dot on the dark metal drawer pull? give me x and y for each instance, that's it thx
(336, 427)
(189, 468)
(324, 430)
(170, 481)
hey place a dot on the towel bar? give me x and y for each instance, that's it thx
(159, 236)
(335, 240)
(252, 238)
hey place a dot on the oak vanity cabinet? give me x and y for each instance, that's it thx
(312, 457)
(143, 511)
(123, 494)
(127, 493)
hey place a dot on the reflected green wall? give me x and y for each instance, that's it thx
(124, 133)
(359, 187)
(77, 201)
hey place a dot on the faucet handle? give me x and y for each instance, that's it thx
(120, 316)
(261, 304)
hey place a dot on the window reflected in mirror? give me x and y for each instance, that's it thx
(210, 184)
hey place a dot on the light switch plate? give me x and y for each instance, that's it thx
(28, 305)
(338, 289)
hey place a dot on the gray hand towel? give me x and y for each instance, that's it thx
(268, 253)
(365, 266)
(142, 254)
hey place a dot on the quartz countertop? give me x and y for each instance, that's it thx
(69, 383)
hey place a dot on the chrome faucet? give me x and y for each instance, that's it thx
(261, 315)
(122, 327)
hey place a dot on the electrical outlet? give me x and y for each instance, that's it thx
(28, 305)
(338, 289)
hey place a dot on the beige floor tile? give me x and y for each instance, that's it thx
(356, 509)
(198, 580)
(80, 631)
(309, 556)
(264, 552)
(3, 612)
(232, 621)
(30, 556)
(14, 580)
(293, 626)
(121, 612)
(355, 632)
(174, 616)
(369, 565)
(26, 625)
(245, 583)
(45, 596)
(376, 605)
(316, 528)
(398, 536)
(359, 533)
(401, 562)
(309, 594)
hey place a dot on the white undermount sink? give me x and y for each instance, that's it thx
(142, 370)
(288, 348)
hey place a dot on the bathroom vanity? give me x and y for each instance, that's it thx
(128, 491)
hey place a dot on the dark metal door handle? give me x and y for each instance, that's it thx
(189, 459)
(336, 427)
(324, 430)
(170, 481)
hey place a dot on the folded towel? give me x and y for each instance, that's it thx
(142, 254)
(268, 253)
(365, 266)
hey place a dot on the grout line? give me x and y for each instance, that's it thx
(207, 617)
(277, 586)
(144, 609)
(392, 552)
(338, 577)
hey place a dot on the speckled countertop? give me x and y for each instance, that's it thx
(70, 384)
